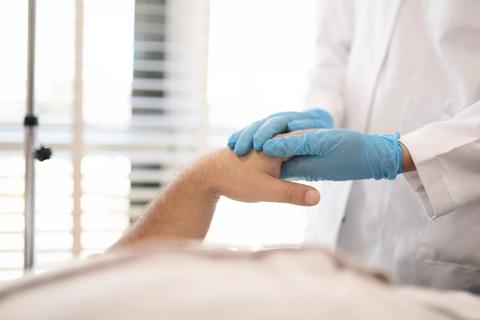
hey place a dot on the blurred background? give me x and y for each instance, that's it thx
(129, 91)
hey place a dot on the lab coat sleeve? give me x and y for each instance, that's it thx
(332, 51)
(447, 157)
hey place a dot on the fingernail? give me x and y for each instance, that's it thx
(312, 197)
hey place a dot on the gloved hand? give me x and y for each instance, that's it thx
(256, 134)
(337, 155)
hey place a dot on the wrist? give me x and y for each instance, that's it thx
(388, 155)
(407, 161)
(204, 174)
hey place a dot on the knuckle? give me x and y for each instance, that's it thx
(291, 193)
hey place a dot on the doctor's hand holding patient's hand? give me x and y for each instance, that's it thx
(252, 178)
(340, 155)
(256, 134)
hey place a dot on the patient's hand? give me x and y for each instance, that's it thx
(252, 178)
(184, 209)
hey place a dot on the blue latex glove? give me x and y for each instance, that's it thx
(256, 134)
(337, 155)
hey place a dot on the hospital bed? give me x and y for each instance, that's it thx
(172, 280)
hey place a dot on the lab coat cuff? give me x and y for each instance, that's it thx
(430, 180)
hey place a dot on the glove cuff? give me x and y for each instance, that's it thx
(393, 162)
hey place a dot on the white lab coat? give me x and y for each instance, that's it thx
(411, 66)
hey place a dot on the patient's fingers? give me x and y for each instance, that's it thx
(276, 190)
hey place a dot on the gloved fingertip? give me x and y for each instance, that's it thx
(232, 140)
(240, 150)
(238, 153)
(267, 147)
(270, 148)
(258, 143)
(231, 144)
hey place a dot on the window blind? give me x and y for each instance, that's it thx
(143, 112)
(143, 102)
(168, 88)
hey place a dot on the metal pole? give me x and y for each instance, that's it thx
(30, 124)
(77, 150)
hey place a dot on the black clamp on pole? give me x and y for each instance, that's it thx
(42, 153)
(30, 121)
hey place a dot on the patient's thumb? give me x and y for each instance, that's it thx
(294, 193)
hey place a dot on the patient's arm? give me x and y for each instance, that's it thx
(185, 207)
